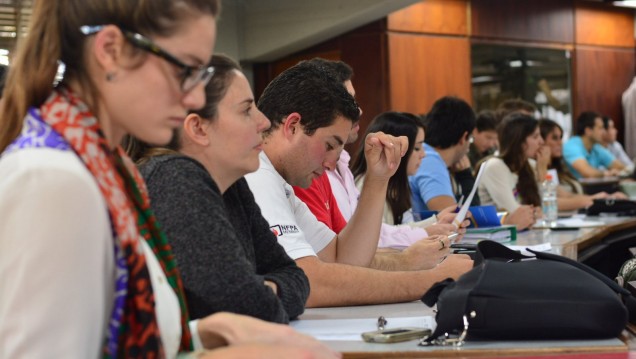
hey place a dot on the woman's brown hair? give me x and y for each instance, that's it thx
(398, 195)
(513, 132)
(54, 37)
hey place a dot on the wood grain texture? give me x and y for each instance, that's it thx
(448, 17)
(601, 76)
(425, 68)
(600, 24)
(536, 20)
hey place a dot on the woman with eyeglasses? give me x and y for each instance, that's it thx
(85, 270)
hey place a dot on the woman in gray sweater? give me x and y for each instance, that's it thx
(228, 257)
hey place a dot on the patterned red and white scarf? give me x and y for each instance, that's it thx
(133, 330)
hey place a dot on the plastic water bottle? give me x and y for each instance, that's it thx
(549, 201)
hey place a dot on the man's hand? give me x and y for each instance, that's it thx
(455, 265)
(383, 153)
(447, 216)
(612, 172)
(442, 229)
(426, 253)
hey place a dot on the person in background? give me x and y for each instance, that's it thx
(569, 192)
(333, 196)
(312, 114)
(449, 126)
(85, 270)
(229, 259)
(611, 144)
(508, 180)
(397, 209)
(584, 154)
(485, 139)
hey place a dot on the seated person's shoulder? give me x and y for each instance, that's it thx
(44, 166)
(178, 164)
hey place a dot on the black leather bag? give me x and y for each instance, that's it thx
(622, 207)
(511, 296)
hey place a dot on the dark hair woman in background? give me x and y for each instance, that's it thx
(509, 180)
(398, 195)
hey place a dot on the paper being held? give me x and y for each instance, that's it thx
(461, 215)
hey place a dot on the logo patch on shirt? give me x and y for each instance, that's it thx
(281, 229)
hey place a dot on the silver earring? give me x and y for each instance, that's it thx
(110, 76)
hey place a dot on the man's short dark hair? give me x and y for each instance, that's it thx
(448, 120)
(586, 120)
(313, 93)
(486, 121)
(338, 69)
(606, 121)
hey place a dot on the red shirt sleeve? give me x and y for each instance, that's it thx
(322, 203)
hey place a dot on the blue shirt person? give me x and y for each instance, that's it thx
(598, 157)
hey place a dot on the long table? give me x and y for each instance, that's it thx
(615, 348)
(604, 248)
(581, 244)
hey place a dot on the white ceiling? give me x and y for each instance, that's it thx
(265, 30)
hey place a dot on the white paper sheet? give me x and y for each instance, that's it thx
(578, 222)
(351, 329)
(543, 247)
(461, 215)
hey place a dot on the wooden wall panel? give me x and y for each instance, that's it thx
(600, 24)
(600, 77)
(366, 53)
(425, 68)
(448, 17)
(264, 73)
(536, 20)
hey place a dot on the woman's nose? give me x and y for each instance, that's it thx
(195, 98)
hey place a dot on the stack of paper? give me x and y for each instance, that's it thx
(499, 234)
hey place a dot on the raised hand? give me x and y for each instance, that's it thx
(383, 154)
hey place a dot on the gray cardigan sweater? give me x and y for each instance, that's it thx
(222, 244)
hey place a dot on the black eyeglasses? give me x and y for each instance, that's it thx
(190, 76)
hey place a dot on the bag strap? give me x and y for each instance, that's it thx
(493, 250)
(431, 295)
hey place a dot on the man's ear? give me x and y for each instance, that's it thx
(464, 138)
(291, 124)
(196, 129)
(107, 49)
